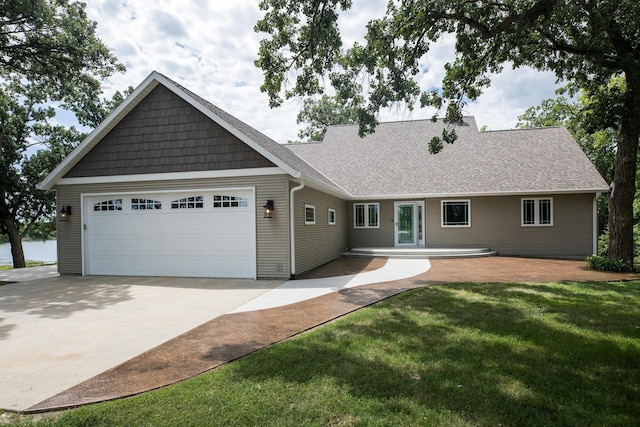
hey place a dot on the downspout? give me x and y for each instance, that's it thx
(292, 233)
(595, 224)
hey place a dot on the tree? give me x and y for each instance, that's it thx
(322, 113)
(583, 42)
(49, 55)
(550, 112)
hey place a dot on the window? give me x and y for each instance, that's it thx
(537, 212)
(366, 215)
(309, 214)
(194, 202)
(331, 215)
(230, 202)
(108, 205)
(145, 204)
(456, 213)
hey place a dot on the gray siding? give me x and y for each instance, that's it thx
(320, 243)
(373, 237)
(495, 223)
(166, 134)
(272, 234)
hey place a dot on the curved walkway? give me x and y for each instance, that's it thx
(236, 334)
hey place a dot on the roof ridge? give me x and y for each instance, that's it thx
(526, 129)
(439, 119)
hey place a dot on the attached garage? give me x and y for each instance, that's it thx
(190, 233)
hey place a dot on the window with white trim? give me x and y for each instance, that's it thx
(194, 202)
(537, 211)
(309, 214)
(366, 215)
(230, 202)
(456, 213)
(108, 205)
(145, 204)
(331, 216)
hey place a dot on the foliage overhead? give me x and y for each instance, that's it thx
(53, 43)
(581, 42)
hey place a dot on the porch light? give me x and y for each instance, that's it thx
(65, 212)
(268, 208)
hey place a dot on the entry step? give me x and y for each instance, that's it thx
(421, 252)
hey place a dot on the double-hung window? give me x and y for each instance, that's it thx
(537, 211)
(366, 215)
(456, 213)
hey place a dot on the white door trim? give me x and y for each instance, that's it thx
(87, 198)
(419, 223)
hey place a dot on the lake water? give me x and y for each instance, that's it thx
(33, 251)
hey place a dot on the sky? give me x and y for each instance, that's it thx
(209, 47)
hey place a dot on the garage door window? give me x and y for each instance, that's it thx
(145, 204)
(230, 202)
(194, 202)
(108, 205)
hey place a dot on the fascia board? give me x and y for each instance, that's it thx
(319, 185)
(171, 176)
(477, 194)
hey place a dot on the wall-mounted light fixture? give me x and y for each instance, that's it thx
(268, 209)
(65, 213)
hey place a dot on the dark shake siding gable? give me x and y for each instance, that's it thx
(165, 134)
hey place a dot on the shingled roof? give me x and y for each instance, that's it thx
(395, 161)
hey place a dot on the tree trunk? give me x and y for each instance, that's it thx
(624, 178)
(15, 239)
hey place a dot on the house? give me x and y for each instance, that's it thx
(171, 185)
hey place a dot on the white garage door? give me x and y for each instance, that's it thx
(189, 234)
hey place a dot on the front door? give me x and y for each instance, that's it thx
(409, 224)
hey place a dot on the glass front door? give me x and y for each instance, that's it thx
(406, 224)
(409, 224)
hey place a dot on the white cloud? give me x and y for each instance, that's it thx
(210, 48)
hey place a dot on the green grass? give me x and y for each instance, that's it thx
(451, 355)
(29, 264)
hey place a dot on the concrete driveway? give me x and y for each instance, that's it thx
(57, 332)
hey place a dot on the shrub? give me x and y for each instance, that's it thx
(603, 244)
(604, 263)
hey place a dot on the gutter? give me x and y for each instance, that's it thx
(595, 224)
(292, 232)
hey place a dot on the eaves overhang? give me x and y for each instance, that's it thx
(408, 196)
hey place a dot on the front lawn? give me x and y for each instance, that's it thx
(448, 355)
(29, 264)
